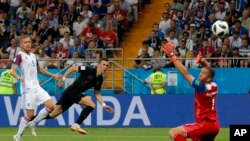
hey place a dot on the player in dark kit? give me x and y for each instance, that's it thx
(90, 76)
(207, 125)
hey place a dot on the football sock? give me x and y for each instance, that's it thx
(41, 115)
(84, 114)
(22, 126)
(179, 137)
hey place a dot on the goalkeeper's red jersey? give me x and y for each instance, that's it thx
(205, 100)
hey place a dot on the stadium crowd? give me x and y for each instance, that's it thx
(187, 24)
(63, 29)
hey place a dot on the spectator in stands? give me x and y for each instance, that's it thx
(236, 62)
(172, 38)
(65, 27)
(157, 59)
(4, 62)
(66, 41)
(180, 20)
(176, 6)
(237, 27)
(223, 54)
(78, 25)
(77, 47)
(33, 20)
(22, 14)
(89, 30)
(96, 20)
(199, 20)
(191, 62)
(143, 60)
(30, 31)
(159, 33)
(120, 16)
(145, 46)
(33, 5)
(182, 50)
(211, 19)
(109, 37)
(165, 22)
(4, 6)
(215, 42)
(13, 49)
(42, 57)
(45, 31)
(86, 13)
(245, 19)
(221, 11)
(203, 33)
(235, 40)
(53, 62)
(189, 42)
(108, 20)
(71, 14)
(134, 8)
(53, 22)
(101, 6)
(91, 50)
(192, 32)
(74, 61)
(4, 24)
(245, 48)
(233, 14)
(95, 38)
(206, 49)
(153, 40)
(47, 47)
(61, 51)
(178, 31)
(14, 5)
(13, 33)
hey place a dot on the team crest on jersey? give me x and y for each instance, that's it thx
(83, 68)
(197, 82)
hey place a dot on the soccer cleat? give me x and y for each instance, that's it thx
(32, 128)
(16, 138)
(76, 127)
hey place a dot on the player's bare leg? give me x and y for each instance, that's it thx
(23, 124)
(90, 105)
(49, 106)
(178, 134)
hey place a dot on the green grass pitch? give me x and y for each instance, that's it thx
(99, 134)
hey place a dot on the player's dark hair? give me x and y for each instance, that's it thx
(103, 59)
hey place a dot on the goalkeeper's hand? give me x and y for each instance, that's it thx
(168, 49)
(199, 58)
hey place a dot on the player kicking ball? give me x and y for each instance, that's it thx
(90, 76)
(206, 125)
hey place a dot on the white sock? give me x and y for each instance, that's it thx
(22, 126)
(40, 116)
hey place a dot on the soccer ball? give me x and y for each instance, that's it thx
(220, 29)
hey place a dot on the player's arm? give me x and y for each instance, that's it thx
(67, 73)
(168, 48)
(43, 71)
(16, 63)
(101, 101)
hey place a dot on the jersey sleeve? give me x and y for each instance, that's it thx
(198, 86)
(17, 60)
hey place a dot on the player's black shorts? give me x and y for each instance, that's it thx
(69, 97)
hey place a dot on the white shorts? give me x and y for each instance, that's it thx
(32, 97)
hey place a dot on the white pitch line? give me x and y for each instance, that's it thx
(89, 136)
